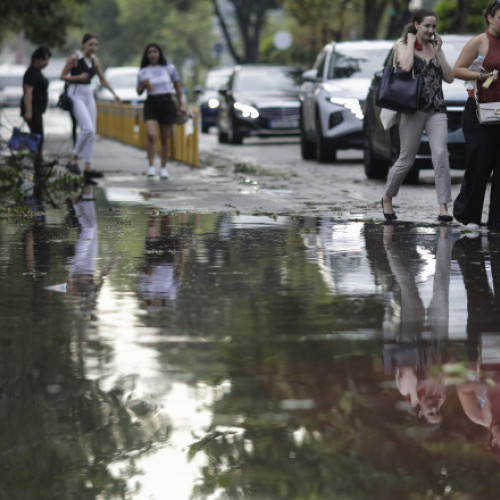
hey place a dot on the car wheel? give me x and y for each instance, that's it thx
(307, 148)
(325, 152)
(233, 134)
(412, 175)
(222, 137)
(375, 168)
(205, 127)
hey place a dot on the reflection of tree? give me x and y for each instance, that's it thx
(345, 443)
(60, 431)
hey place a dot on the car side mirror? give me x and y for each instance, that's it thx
(378, 75)
(224, 91)
(311, 75)
(198, 89)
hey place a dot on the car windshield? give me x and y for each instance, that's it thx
(267, 80)
(124, 80)
(215, 80)
(361, 63)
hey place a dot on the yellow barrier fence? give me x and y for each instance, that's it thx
(125, 123)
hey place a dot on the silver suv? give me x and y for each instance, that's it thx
(332, 97)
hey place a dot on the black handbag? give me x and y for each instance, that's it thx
(399, 90)
(65, 102)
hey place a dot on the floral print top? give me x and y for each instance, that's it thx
(431, 98)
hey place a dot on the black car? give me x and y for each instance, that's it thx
(381, 147)
(208, 96)
(259, 100)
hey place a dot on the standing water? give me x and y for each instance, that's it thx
(154, 355)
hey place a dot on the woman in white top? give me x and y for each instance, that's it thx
(78, 71)
(161, 81)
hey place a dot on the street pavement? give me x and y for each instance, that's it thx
(256, 178)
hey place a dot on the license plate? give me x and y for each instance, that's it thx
(284, 124)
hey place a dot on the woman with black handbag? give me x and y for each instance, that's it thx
(421, 52)
(78, 72)
(482, 142)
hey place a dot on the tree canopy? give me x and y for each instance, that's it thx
(43, 21)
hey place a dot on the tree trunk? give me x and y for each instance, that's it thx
(374, 10)
(237, 58)
(462, 14)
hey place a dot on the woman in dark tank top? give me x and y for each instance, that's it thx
(78, 72)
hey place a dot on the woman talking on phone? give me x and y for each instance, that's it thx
(421, 51)
(482, 142)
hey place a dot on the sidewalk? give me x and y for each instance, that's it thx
(199, 189)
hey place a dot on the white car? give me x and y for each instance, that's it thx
(332, 96)
(11, 84)
(56, 88)
(124, 82)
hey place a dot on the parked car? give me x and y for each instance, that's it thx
(124, 81)
(259, 100)
(332, 97)
(208, 96)
(55, 90)
(381, 147)
(11, 84)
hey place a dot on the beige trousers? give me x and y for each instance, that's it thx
(410, 134)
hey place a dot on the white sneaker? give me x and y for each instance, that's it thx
(472, 227)
(151, 172)
(164, 173)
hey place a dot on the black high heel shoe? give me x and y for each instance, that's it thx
(445, 218)
(387, 216)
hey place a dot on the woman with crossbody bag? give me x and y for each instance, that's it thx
(482, 141)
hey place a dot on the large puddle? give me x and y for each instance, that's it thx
(151, 355)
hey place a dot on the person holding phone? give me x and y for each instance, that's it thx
(421, 51)
(482, 145)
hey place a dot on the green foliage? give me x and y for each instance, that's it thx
(446, 11)
(182, 28)
(43, 22)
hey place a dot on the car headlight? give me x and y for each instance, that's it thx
(246, 110)
(353, 105)
(213, 103)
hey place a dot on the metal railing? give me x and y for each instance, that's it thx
(125, 123)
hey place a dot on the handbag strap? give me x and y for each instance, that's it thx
(395, 63)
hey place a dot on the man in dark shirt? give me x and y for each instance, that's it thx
(35, 86)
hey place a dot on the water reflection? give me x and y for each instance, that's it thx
(166, 248)
(219, 356)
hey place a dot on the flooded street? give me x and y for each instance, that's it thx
(148, 354)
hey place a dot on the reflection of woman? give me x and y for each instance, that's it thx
(160, 278)
(481, 403)
(79, 70)
(161, 81)
(482, 147)
(414, 319)
(35, 97)
(83, 264)
(412, 357)
(421, 52)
